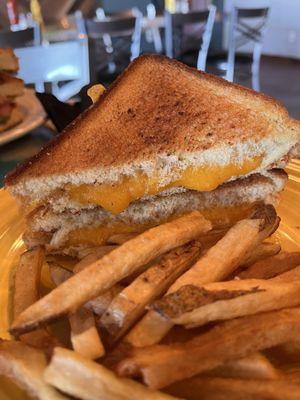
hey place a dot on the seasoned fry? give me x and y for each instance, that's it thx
(255, 366)
(84, 335)
(262, 251)
(160, 365)
(25, 366)
(121, 238)
(219, 262)
(110, 269)
(206, 388)
(194, 306)
(129, 305)
(94, 254)
(82, 378)
(271, 266)
(26, 292)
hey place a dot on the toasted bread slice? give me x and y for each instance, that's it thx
(8, 61)
(161, 117)
(15, 118)
(223, 206)
(10, 86)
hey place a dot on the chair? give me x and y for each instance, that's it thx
(114, 36)
(22, 38)
(152, 33)
(64, 64)
(176, 22)
(247, 25)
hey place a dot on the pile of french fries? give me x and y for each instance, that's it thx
(180, 311)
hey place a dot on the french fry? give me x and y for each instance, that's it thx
(110, 269)
(262, 251)
(291, 275)
(84, 335)
(254, 366)
(206, 388)
(121, 238)
(99, 304)
(94, 254)
(26, 292)
(272, 266)
(286, 353)
(25, 365)
(72, 373)
(162, 365)
(129, 305)
(219, 262)
(95, 92)
(194, 306)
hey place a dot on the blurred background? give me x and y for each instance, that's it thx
(65, 46)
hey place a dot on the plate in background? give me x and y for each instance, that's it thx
(34, 116)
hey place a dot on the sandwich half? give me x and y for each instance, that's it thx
(8, 61)
(163, 140)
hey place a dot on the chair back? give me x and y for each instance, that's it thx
(247, 26)
(111, 26)
(56, 63)
(175, 22)
(22, 38)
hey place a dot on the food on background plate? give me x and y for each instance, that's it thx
(163, 215)
(10, 86)
(10, 114)
(8, 61)
(154, 148)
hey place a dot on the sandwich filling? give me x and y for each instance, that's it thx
(92, 226)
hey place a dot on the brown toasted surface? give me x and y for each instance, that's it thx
(157, 105)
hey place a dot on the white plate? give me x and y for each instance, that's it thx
(34, 116)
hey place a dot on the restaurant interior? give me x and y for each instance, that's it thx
(66, 46)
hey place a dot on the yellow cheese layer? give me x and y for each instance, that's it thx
(115, 198)
(98, 235)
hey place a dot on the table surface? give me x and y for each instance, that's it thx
(21, 149)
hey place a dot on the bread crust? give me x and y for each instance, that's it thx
(157, 106)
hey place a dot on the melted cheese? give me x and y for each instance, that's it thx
(97, 236)
(116, 197)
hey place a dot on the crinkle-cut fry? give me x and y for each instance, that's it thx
(194, 306)
(262, 251)
(121, 238)
(225, 257)
(74, 374)
(162, 365)
(85, 338)
(25, 365)
(94, 254)
(254, 366)
(110, 269)
(271, 266)
(26, 292)
(129, 305)
(214, 388)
